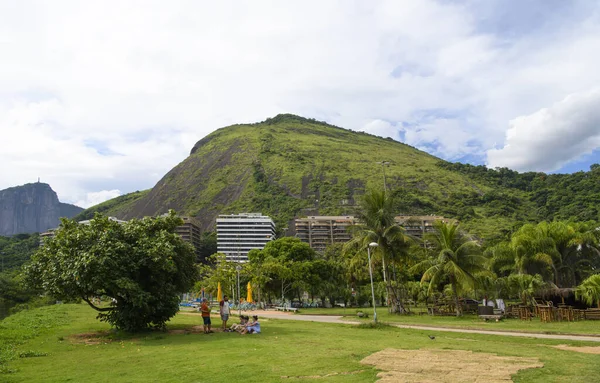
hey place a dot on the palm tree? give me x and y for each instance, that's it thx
(525, 285)
(514, 257)
(577, 251)
(453, 259)
(589, 290)
(377, 224)
(532, 247)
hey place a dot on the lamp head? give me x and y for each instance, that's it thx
(373, 244)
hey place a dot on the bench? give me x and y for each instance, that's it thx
(283, 308)
(496, 317)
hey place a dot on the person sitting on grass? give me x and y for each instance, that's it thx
(242, 325)
(252, 327)
(205, 309)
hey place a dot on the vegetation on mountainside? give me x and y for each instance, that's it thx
(16, 251)
(122, 204)
(289, 166)
(573, 196)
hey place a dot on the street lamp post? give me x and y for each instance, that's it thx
(238, 268)
(372, 244)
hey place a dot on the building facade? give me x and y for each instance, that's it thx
(190, 232)
(322, 231)
(237, 234)
(418, 225)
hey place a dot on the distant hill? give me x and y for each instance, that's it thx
(291, 166)
(32, 208)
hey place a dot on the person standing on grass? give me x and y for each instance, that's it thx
(205, 309)
(224, 311)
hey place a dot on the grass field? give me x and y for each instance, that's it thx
(47, 345)
(589, 327)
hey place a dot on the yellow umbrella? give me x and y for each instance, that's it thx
(249, 297)
(219, 293)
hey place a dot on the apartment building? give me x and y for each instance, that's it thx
(418, 225)
(237, 234)
(322, 231)
(190, 232)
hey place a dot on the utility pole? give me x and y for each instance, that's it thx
(383, 165)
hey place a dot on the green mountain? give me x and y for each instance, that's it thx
(291, 166)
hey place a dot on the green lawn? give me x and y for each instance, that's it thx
(285, 348)
(588, 327)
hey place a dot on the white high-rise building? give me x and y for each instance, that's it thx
(237, 234)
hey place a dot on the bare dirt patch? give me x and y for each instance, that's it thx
(192, 330)
(585, 350)
(322, 376)
(450, 366)
(90, 338)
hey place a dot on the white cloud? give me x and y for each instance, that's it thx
(551, 137)
(94, 198)
(111, 95)
(381, 128)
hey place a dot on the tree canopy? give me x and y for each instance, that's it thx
(141, 266)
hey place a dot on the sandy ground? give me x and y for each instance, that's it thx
(585, 350)
(446, 366)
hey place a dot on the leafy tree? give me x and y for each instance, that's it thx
(141, 266)
(525, 285)
(17, 250)
(454, 259)
(208, 246)
(576, 253)
(217, 271)
(258, 276)
(285, 266)
(589, 290)
(565, 252)
(514, 257)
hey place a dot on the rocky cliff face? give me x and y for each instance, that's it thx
(31, 208)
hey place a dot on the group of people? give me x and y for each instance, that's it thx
(244, 327)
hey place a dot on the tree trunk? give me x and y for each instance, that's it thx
(396, 295)
(456, 303)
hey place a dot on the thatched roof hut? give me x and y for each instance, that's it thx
(556, 292)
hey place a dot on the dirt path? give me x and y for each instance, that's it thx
(339, 319)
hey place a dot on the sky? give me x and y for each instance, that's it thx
(102, 98)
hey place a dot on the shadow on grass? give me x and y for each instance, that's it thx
(375, 326)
